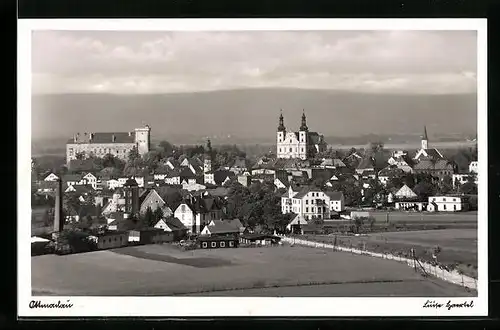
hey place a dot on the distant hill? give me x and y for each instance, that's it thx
(251, 115)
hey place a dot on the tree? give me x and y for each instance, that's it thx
(148, 217)
(166, 149)
(157, 215)
(358, 223)
(133, 156)
(446, 185)
(469, 187)
(424, 189)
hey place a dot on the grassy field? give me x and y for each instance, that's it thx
(272, 271)
(458, 246)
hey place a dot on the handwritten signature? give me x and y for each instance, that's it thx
(449, 305)
(59, 304)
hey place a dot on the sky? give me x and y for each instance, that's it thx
(150, 62)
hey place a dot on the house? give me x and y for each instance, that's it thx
(122, 222)
(172, 163)
(438, 168)
(51, 177)
(222, 177)
(196, 211)
(161, 172)
(311, 202)
(150, 236)
(245, 180)
(402, 161)
(473, 167)
(215, 242)
(450, 203)
(173, 177)
(239, 166)
(220, 228)
(425, 152)
(353, 160)
(367, 164)
(113, 183)
(115, 203)
(405, 193)
(46, 186)
(281, 183)
(173, 225)
(236, 223)
(82, 192)
(259, 239)
(463, 178)
(409, 205)
(295, 226)
(91, 180)
(388, 172)
(192, 185)
(73, 179)
(110, 239)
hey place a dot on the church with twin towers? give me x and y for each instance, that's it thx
(298, 145)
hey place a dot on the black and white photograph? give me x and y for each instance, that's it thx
(238, 167)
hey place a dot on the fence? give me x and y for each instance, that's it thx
(434, 270)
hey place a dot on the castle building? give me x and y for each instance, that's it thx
(117, 144)
(301, 145)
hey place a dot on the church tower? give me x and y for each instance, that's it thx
(280, 136)
(425, 141)
(207, 162)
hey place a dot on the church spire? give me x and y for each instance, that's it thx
(208, 149)
(303, 126)
(281, 126)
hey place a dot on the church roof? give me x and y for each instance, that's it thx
(428, 164)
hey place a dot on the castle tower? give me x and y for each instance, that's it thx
(425, 140)
(143, 139)
(207, 161)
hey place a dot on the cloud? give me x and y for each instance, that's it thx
(162, 62)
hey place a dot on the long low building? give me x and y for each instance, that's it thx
(450, 203)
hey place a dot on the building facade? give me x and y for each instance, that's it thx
(312, 203)
(117, 144)
(302, 144)
(447, 204)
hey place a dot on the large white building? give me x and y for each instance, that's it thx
(302, 144)
(311, 202)
(117, 144)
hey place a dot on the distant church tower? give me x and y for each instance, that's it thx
(207, 162)
(143, 139)
(303, 130)
(425, 140)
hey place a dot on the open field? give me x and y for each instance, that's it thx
(273, 271)
(458, 246)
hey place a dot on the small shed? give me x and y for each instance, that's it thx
(296, 224)
(217, 242)
(110, 239)
(150, 236)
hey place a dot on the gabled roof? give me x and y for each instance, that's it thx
(304, 191)
(221, 227)
(107, 137)
(405, 191)
(427, 164)
(72, 177)
(390, 170)
(221, 175)
(366, 163)
(173, 223)
(298, 220)
(236, 223)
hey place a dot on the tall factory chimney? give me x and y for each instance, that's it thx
(58, 211)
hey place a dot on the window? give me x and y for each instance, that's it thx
(302, 150)
(307, 209)
(444, 206)
(231, 243)
(214, 244)
(307, 201)
(222, 244)
(204, 245)
(290, 149)
(454, 207)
